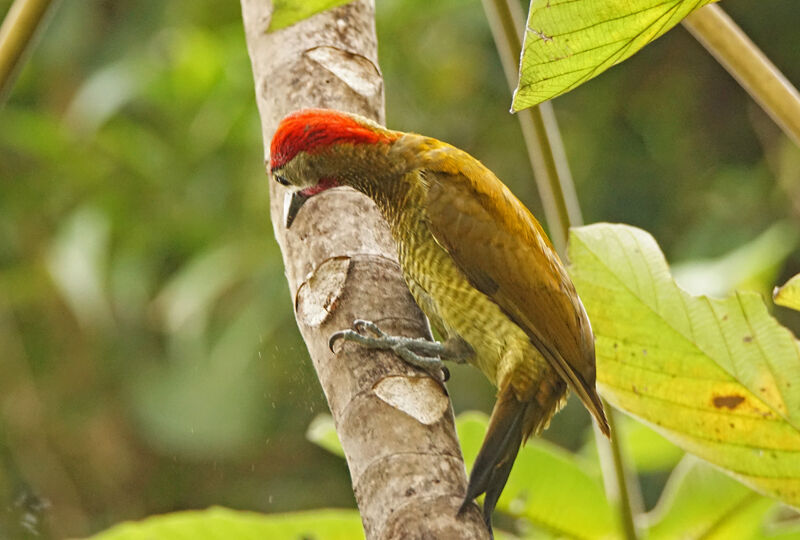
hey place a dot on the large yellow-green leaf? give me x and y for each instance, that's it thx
(720, 378)
(789, 294)
(568, 42)
(217, 523)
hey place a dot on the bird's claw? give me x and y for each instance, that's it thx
(369, 334)
(335, 337)
(360, 328)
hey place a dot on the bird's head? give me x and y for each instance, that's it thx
(314, 150)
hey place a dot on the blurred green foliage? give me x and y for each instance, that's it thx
(558, 494)
(150, 361)
(216, 523)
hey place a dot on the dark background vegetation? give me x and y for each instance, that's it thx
(149, 359)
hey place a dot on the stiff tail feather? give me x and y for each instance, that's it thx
(497, 454)
(511, 423)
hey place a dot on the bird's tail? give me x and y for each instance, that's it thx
(511, 423)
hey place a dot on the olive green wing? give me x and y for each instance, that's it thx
(503, 252)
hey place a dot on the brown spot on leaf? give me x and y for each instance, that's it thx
(747, 339)
(730, 402)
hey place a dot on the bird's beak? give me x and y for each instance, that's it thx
(291, 205)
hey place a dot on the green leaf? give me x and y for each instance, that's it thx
(649, 451)
(752, 266)
(701, 502)
(322, 432)
(287, 12)
(789, 294)
(216, 523)
(548, 485)
(568, 42)
(719, 378)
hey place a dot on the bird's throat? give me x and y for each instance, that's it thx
(324, 184)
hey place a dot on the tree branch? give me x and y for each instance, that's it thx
(395, 423)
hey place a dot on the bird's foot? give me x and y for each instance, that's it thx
(415, 351)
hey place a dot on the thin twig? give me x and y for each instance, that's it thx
(19, 27)
(715, 30)
(562, 210)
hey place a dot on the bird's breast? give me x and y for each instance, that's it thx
(457, 309)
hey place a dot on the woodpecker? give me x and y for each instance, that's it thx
(476, 261)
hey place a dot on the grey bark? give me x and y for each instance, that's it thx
(395, 422)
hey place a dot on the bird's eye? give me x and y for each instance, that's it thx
(281, 180)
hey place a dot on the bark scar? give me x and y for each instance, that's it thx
(356, 71)
(421, 398)
(318, 295)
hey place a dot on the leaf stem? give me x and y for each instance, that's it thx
(19, 27)
(539, 129)
(717, 32)
(551, 171)
(562, 210)
(620, 486)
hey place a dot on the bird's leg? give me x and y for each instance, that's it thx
(419, 352)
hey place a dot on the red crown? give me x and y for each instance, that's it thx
(311, 130)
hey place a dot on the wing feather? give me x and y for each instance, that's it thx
(503, 252)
